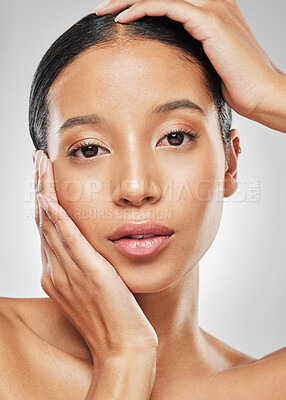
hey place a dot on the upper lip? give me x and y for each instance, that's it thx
(140, 228)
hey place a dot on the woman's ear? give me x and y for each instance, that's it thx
(230, 178)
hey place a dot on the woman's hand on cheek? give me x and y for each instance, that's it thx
(84, 284)
(249, 78)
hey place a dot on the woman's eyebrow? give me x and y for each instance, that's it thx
(94, 119)
(91, 119)
(175, 104)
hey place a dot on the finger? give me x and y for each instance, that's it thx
(46, 182)
(56, 252)
(46, 279)
(48, 284)
(191, 16)
(37, 159)
(80, 250)
(54, 280)
(47, 228)
(115, 6)
(45, 270)
(66, 267)
(178, 10)
(54, 277)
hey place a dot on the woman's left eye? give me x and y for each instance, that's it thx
(176, 137)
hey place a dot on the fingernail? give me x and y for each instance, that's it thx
(101, 5)
(43, 202)
(39, 154)
(122, 14)
(43, 165)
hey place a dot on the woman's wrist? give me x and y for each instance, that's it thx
(128, 376)
(272, 108)
(145, 358)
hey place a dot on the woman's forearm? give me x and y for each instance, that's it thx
(272, 112)
(125, 378)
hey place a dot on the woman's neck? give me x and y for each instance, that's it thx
(173, 312)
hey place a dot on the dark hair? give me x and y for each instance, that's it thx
(103, 31)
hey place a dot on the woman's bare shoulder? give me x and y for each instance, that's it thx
(259, 379)
(19, 317)
(15, 336)
(247, 377)
(37, 347)
(28, 319)
(33, 312)
(231, 357)
(39, 315)
(23, 320)
(10, 304)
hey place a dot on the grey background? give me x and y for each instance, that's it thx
(243, 274)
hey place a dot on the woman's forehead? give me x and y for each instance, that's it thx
(138, 73)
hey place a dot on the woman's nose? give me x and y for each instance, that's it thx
(137, 183)
(136, 193)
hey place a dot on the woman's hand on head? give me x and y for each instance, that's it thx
(83, 283)
(250, 80)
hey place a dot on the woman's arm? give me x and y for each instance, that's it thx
(129, 377)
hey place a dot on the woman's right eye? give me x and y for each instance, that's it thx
(87, 150)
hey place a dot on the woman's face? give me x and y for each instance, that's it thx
(180, 186)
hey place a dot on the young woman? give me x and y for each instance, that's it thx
(132, 123)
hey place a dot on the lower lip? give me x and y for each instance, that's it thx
(142, 247)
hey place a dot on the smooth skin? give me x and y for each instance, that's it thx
(111, 329)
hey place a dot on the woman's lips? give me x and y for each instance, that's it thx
(142, 247)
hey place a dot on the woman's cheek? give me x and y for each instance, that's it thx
(209, 205)
(202, 203)
(78, 196)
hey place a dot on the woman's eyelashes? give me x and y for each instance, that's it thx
(175, 139)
